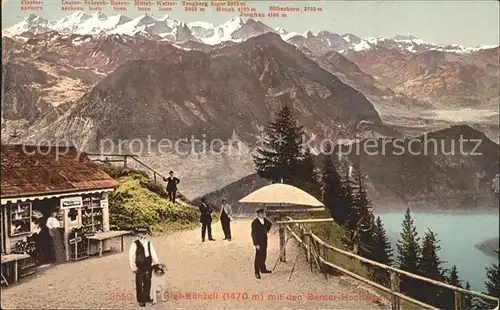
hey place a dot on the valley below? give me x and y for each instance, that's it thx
(412, 124)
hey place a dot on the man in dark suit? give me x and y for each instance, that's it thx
(260, 228)
(206, 220)
(171, 186)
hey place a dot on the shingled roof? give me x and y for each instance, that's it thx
(35, 170)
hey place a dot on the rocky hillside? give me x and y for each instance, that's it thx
(432, 171)
(439, 78)
(383, 97)
(398, 179)
(230, 89)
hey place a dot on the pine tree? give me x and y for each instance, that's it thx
(14, 132)
(471, 302)
(360, 220)
(492, 282)
(408, 257)
(281, 154)
(333, 191)
(307, 177)
(348, 185)
(382, 252)
(430, 266)
(492, 286)
(453, 278)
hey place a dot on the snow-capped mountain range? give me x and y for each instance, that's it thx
(236, 30)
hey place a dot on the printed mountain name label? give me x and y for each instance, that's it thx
(123, 3)
(143, 3)
(67, 2)
(95, 2)
(31, 2)
(166, 3)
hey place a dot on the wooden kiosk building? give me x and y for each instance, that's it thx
(43, 180)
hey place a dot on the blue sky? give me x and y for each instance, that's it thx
(470, 23)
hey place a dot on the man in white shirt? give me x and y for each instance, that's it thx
(226, 216)
(52, 221)
(142, 256)
(57, 246)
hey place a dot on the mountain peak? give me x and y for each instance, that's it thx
(409, 37)
(143, 20)
(31, 17)
(81, 16)
(100, 15)
(165, 18)
(235, 21)
(281, 30)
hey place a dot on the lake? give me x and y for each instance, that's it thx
(458, 235)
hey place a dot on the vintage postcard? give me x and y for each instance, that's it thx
(250, 154)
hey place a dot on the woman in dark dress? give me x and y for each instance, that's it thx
(44, 244)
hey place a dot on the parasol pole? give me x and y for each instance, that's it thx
(282, 234)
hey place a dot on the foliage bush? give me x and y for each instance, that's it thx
(333, 234)
(138, 201)
(146, 181)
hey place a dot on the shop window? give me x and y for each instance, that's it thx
(73, 214)
(20, 219)
(92, 216)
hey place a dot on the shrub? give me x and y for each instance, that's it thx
(138, 201)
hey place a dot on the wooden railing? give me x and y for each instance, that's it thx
(317, 254)
(126, 160)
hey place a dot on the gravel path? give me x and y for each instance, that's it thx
(210, 275)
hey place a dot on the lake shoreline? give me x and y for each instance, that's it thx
(458, 233)
(481, 211)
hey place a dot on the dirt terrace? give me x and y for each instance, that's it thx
(210, 275)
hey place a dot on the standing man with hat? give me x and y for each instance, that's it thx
(142, 256)
(260, 228)
(226, 216)
(206, 220)
(171, 186)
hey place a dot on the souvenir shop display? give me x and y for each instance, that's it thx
(78, 243)
(20, 219)
(24, 247)
(92, 219)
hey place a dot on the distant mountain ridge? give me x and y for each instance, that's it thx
(236, 29)
(229, 90)
(400, 72)
(422, 182)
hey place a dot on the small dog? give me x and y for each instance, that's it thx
(158, 282)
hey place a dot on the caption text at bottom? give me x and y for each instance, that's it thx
(235, 296)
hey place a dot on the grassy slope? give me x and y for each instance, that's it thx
(332, 233)
(139, 201)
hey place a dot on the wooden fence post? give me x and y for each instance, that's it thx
(125, 161)
(309, 259)
(459, 301)
(395, 300)
(282, 239)
(306, 246)
(325, 256)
